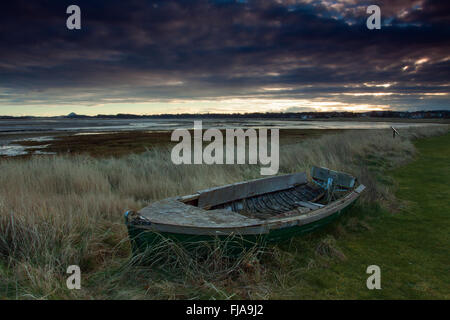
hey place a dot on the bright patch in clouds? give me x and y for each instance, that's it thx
(277, 89)
(422, 61)
(374, 94)
(378, 85)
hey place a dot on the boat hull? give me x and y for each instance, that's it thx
(244, 214)
(142, 239)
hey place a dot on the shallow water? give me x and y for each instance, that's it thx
(12, 150)
(106, 125)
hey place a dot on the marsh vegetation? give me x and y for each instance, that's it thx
(63, 210)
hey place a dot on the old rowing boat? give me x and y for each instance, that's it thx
(268, 209)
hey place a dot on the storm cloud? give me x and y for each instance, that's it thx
(224, 56)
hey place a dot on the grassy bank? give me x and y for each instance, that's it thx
(409, 243)
(65, 210)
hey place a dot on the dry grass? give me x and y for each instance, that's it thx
(65, 210)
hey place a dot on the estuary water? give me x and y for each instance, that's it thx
(41, 130)
(108, 125)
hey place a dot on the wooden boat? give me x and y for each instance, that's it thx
(268, 209)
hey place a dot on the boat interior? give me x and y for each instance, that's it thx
(275, 197)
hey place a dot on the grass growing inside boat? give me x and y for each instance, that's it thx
(65, 210)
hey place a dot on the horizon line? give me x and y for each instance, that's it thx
(73, 114)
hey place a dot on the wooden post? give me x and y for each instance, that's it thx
(394, 132)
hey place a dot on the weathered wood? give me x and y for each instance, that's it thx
(267, 205)
(308, 204)
(173, 212)
(341, 179)
(292, 218)
(360, 188)
(189, 197)
(316, 214)
(210, 231)
(394, 132)
(274, 203)
(241, 190)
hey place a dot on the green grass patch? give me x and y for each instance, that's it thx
(411, 245)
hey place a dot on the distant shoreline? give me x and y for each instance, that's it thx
(323, 116)
(63, 126)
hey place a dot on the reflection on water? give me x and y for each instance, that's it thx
(13, 150)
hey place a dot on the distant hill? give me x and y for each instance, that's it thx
(74, 115)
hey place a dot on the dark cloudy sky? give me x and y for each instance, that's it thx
(167, 56)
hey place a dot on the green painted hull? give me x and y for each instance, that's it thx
(142, 239)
